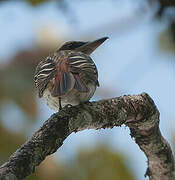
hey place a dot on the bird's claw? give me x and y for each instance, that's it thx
(65, 108)
(68, 106)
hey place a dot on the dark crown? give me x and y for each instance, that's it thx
(71, 45)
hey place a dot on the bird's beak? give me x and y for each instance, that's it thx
(89, 47)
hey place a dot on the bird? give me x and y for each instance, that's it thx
(68, 77)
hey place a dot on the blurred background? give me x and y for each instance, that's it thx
(138, 57)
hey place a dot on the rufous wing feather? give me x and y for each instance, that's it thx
(63, 83)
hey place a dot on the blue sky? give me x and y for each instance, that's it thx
(130, 62)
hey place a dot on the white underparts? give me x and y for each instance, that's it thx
(73, 97)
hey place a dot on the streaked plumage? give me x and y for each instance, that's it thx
(69, 76)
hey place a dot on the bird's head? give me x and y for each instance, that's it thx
(85, 47)
(71, 45)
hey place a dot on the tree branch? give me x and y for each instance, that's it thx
(138, 112)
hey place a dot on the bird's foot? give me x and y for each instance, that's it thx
(68, 106)
(65, 108)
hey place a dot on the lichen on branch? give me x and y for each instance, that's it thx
(138, 112)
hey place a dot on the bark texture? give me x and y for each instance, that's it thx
(138, 112)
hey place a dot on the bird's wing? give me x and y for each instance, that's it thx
(83, 69)
(45, 71)
(63, 80)
(73, 71)
(68, 74)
